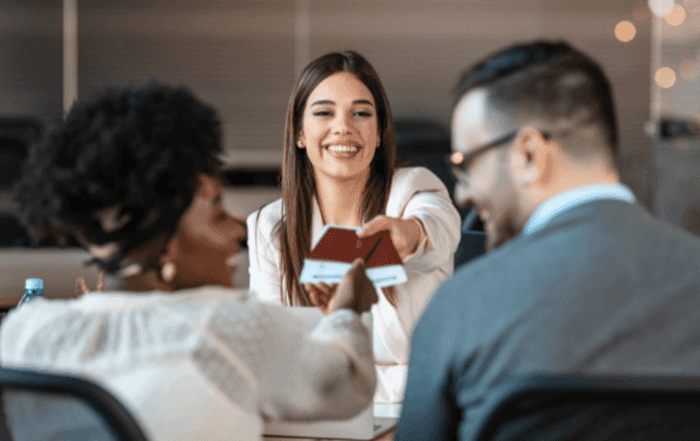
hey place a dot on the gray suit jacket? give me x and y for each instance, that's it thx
(602, 288)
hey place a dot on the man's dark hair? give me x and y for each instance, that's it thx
(136, 152)
(544, 80)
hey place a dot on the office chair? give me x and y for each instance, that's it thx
(548, 407)
(424, 142)
(473, 240)
(40, 406)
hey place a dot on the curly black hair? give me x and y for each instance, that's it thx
(137, 151)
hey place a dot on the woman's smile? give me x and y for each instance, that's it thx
(343, 150)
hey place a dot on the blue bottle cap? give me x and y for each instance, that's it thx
(34, 284)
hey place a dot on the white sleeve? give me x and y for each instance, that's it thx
(302, 373)
(265, 276)
(432, 205)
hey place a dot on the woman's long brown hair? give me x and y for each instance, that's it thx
(298, 186)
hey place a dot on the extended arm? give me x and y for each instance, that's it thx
(434, 209)
(422, 220)
(306, 365)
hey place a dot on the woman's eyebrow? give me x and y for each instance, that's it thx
(329, 102)
(322, 102)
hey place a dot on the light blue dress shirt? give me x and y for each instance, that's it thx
(573, 198)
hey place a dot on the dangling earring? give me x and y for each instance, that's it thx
(167, 272)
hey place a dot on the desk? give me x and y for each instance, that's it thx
(389, 436)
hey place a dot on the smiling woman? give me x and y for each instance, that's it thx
(339, 169)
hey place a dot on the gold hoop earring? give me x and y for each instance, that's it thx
(167, 272)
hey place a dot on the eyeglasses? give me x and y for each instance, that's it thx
(461, 162)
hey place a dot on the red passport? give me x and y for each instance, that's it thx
(338, 247)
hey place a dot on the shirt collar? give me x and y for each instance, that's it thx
(573, 198)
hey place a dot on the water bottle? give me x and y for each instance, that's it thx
(33, 289)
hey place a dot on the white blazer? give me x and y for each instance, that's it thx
(415, 191)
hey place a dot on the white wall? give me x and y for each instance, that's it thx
(241, 56)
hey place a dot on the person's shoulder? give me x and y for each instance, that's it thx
(27, 326)
(478, 299)
(490, 276)
(416, 177)
(265, 219)
(408, 181)
(210, 293)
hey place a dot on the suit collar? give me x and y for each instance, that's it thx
(563, 202)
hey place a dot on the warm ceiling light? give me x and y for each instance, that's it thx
(677, 16)
(688, 69)
(661, 8)
(665, 77)
(625, 31)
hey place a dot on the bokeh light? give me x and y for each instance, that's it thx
(625, 31)
(665, 77)
(677, 16)
(456, 158)
(661, 8)
(688, 69)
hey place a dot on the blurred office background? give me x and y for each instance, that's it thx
(243, 57)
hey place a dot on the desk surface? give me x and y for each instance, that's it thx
(389, 436)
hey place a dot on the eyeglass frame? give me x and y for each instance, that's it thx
(459, 171)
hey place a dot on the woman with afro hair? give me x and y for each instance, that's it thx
(133, 175)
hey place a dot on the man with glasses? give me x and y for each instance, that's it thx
(578, 277)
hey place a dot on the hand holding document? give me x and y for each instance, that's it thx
(339, 246)
(354, 292)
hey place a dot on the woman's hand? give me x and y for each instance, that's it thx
(405, 233)
(320, 294)
(355, 291)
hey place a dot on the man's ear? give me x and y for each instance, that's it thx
(530, 158)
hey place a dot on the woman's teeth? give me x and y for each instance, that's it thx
(342, 149)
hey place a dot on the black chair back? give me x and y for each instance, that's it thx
(40, 406)
(594, 408)
(426, 143)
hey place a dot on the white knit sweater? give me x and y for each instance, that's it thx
(202, 364)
